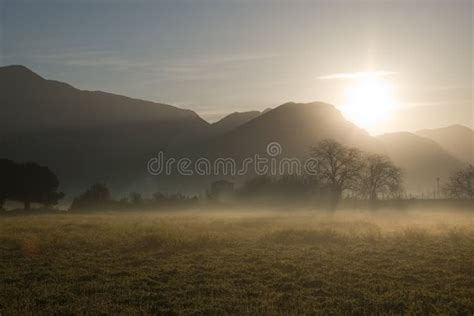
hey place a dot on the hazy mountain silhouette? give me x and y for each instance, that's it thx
(234, 120)
(458, 140)
(31, 102)
(421, 159)
(87, 137)
(296, 126)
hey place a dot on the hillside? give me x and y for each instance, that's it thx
(458, 140)
(296, 126)
(233, 121)
(31, 102)
(87, 136)
(421, 159)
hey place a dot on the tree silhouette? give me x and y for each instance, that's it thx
(338, 167)
(136, 198)
(159, 197)
(379, 176)
(28, 183)
(461, 184)
(7, 180)
(98, 195)
(36, 184)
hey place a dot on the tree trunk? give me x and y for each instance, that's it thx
(334, 199)
(373, 201)
(27, 205)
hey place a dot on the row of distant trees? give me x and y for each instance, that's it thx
(461, 184)
(370, 176)
(344, 170)
(98, 197)
(340, 170)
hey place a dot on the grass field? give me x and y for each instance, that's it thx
(238, 263)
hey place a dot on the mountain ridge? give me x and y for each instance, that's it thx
(119, 133)
(26, 92)
(457, 139)
(421, 159)
(234, 120)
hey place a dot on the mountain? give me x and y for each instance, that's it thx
(30, 102)
(458, 140)
(295, 126)
(267, 110)
(87, 136)
(234, 120)
(421, 159)
(298, 126)
(94, 136)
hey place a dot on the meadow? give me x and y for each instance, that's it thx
(238, 262)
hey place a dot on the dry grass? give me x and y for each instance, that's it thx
(238, 263)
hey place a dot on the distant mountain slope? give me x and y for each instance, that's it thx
(30, 102)
(234, 120)
(421, 159)
(87, 136)
(458, 140)
(296, 126)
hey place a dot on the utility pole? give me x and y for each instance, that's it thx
(437, 187)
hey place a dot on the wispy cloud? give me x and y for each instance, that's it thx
(93, 58)
(209, 67)
(207, 60)
(356, 75)
(164, 69)
(436, 103)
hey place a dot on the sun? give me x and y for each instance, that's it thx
(369, 101)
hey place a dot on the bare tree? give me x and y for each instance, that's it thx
(338, 167)
(379, 176)
(461, 184)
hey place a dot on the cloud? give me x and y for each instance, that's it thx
(186, 68)
(436, 103)
(93, 58)
(208, 60)
(209, 67)
(356, 75)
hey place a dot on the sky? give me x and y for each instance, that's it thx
(218, 57)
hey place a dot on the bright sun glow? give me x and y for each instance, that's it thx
(369, 101)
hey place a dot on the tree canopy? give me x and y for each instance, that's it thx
(97, 196)
(28, 183)
(461, 184)
(379, 176)
(338, 167)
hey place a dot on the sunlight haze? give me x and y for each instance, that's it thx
(216, 58)
(242, 157)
